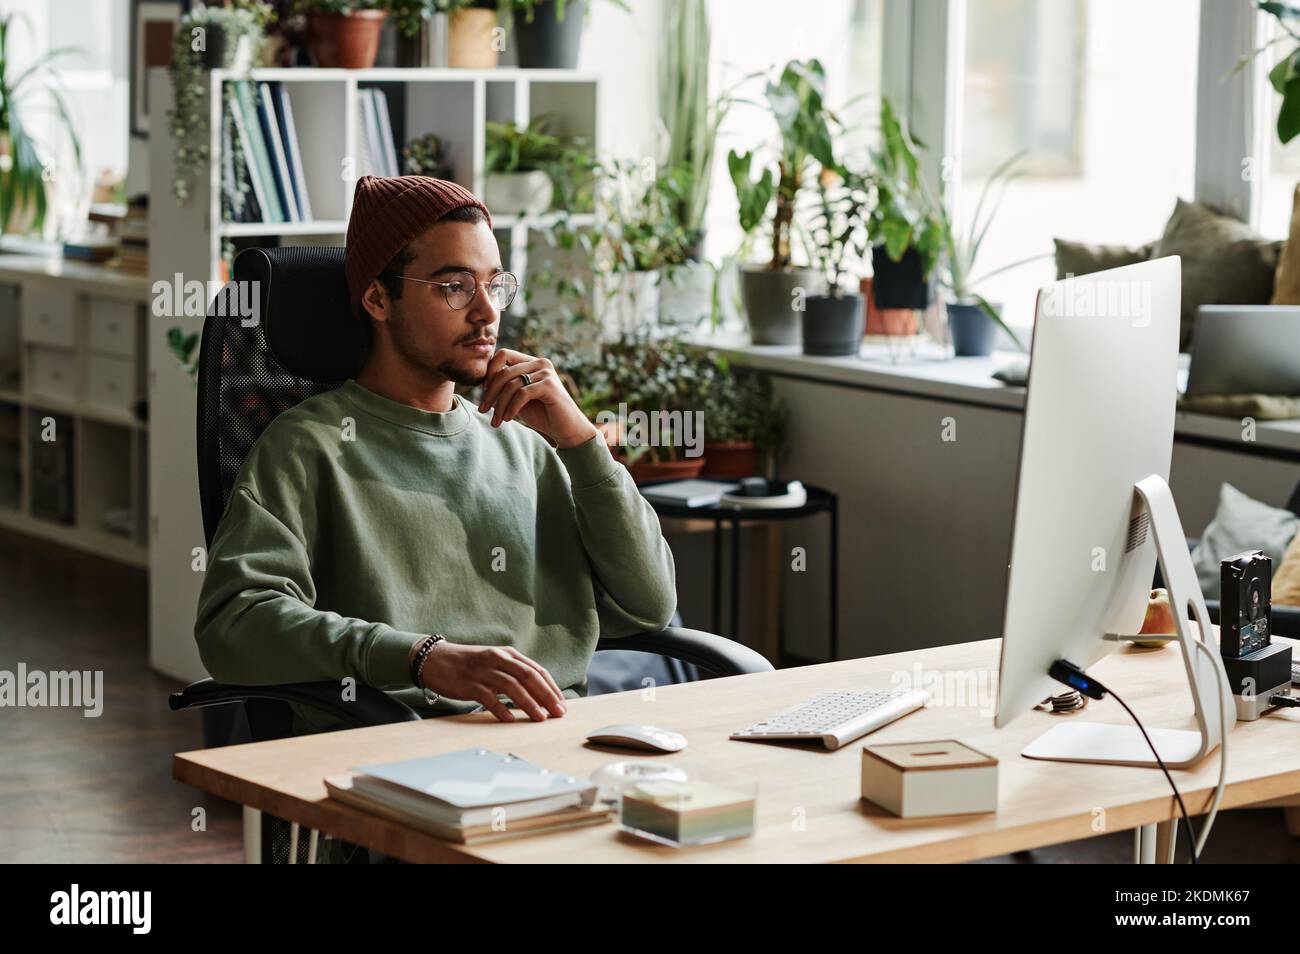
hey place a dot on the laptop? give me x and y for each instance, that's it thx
(1245, 349)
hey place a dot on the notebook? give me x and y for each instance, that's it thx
(690, 493)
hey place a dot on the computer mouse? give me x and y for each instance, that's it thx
(646, 738)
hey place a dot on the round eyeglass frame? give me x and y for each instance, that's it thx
(469, 301)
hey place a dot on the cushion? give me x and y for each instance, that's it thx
(1225, 262)
(1241, 523)
(1262, 407)
(1286, 281)
(1286, 578)
(1079, 258)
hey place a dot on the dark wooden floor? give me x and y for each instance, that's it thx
(74, 789)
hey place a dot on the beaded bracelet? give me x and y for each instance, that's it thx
(422, 654)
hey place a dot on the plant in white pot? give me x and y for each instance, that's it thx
(771, 291)
(637, 238)
(833, 321)
(688, 126)
(520, 166)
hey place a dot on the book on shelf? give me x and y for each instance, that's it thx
(259, 164)
(289, 133)
(378, 155)
(243, 135)
(280, 164)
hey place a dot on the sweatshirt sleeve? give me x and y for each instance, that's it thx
(257, 624)
(632, 565)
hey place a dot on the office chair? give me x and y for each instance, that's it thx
(305, 340)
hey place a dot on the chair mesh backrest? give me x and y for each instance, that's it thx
(243, 385)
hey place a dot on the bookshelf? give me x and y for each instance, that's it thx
(73, 445)
(188, 240)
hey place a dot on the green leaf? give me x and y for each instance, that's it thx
(1288, 116)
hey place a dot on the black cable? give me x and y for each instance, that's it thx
(1096, 690)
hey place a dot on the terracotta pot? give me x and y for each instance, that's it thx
(347, 40)
(646, 470)
(887, 321)
(730, 459)
(470, 41)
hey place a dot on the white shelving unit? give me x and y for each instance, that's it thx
(453, 103)
(72, 446)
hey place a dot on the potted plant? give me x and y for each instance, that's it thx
(662, 376)
(548, 33)
(231, 38)
(343, 33)
(689, 122)
(833, 321)
(472, 41)
(635, 241)
(795, 99)
(420, 28)
(232, 33)
(972, 322)
(904, 226)
(743, 424)
(426, 156)
(519, 163)
(23, 198)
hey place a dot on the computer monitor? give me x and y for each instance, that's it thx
(1091, 495)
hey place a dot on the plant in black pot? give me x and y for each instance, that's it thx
(905, 228)
(771, 292)
(833, 321)
(973, 322)
(548, 33)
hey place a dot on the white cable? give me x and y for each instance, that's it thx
(1217, 665)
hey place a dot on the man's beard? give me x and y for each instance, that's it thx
(468, 375)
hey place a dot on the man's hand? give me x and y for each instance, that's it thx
(478, 673)
(542, 403)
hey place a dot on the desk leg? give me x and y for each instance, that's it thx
(717, 577)
(252, 836)
(735, 581)
(1144, 845)
(835, 579)
(1166, 840)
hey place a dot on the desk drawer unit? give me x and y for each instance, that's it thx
(112, 327)
(54, 373)
(49, 316)
(110, 383)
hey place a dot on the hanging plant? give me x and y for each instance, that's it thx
(207, 37)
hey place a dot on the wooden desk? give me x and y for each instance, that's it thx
(808, 804)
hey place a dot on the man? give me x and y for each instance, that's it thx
(390, 532)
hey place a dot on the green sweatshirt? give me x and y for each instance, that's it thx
(358, 525)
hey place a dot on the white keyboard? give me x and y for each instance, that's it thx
(837, 718)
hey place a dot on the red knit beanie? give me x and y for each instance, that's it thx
(387, 212)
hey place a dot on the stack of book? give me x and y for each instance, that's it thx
(471, 796)
(133, 236)
(259, 125)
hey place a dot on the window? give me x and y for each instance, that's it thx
(1281, 166)
(1100, 96)
(761, 35)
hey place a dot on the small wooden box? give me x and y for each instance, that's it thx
(924, 779)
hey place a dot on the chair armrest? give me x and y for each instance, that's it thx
(371, 706)
(716, 655)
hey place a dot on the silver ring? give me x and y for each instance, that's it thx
(526, 379)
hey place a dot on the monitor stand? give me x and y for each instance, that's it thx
(1215, 710)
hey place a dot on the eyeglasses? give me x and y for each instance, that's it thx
(461, 287)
